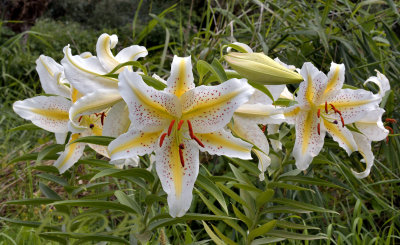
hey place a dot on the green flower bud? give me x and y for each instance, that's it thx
(259, 68)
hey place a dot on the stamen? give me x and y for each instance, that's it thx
(335, 122)
(264, 128)
(181, 157)
(170, 127)
(326, 107)
(80, 118)
(319, 113)
(190, 129)
(390, 120)
(198, 141)
(319, 128)
(91, 125)
(181, 146)
(390, 129)
(180, 124)
(162, 138)
(341, 119)
(102, 118)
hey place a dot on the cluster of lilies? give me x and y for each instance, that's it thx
(176, 123)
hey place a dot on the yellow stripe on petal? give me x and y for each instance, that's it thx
(75, 95)
(176, 166)
(332, 82)
(71, 149)
(181, 84)
(218, 140)
(292, 113)
(145, 139)
(54, 113)
(334, 130)
(307, 131)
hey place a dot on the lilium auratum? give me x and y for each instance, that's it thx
(86, 74)
(323, 106)
(51, 112)
(178, 122)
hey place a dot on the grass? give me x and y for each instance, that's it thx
(363, 36)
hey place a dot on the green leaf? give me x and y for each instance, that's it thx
(49, 193)
(96, 163)
(212, 235)
(309, 181)
(292, 235)
(263, 89)
(212, 189)
(31, 157)
(133, 172)
(264, 197)
(28, 126)
(248, 165)
(222, 236)
(242, 217)
(290, 225)
(155, 83)
(32, 201)
(233, 195)
(34, 224)
(53, 178)
(285, 209)
(287, 186)
(49, 150)
(128, 201)
(84, 237)
(219, 69)
(98, 140)
(128, 63)
(302, 205)
(267, 240)
(96, 204)
(261, 230)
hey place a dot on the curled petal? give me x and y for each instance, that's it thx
(222, 142)
(103, 49)
(382, 82)
(181, 78)
(242, 45)
(211, 107)
(371, 125)
(71, 155)
(52, 77)
(133, 143)
(131, 53)
(177, 180)
(364, 147)
(308, 142)
(312, 89)
(261, 114)
(85, 74)
(47, 112)
(150, 109)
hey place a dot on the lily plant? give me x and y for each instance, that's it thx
(177, 123)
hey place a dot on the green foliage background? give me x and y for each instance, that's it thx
(96, 202)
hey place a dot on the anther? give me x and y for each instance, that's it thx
(319, 113)
(326, 107)
(102, 118)
(181, 146)
(264, 128)
(390, 120)
(91, 125)
(190, 129)
(319, 128)
(162, 138)
(342, 120)
(335, 122)
(390, 129)
(80, 118)
(198, 141)
(180, 124)
(170, 127)
(181, 157)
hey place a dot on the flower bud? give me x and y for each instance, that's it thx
(259, 68)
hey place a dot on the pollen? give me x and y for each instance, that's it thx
(181, 157)
(326, 107)
(162, 138)
(91, 125)
(319, 128)
(170, 127)
(319, 113)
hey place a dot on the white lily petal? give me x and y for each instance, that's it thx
(70, 156)
(286, 94)
(276, 144)
(211, 107)
(353, 104)
(335, 79)
(308, 142)
(290, 67)
(133, 161)
(133, 143)
(117, 120)
(150, 109)
(260, 97)
(52, 77)
(94, 102)
(60, 138)
(371, 125)
(103, 49)
(242, 45)
(222, 142)
(291, 114)
(342, 135)
(159, 78)
(95, 129)
(47, 112)
(85, 74)
(181, 78)
(261, 114)
(364, 147)
(311, 90)
(131, 53)
(177, 180)
(382, 82)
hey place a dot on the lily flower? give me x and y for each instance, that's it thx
(51, 112)
(323, 106)
(178, 122)
(86, 74)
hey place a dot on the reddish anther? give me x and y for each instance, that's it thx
(319, 113)
(198, 141)
(342, 120)
(264, 128)
(390, 129)
(80, 118)
(326, 107)
(170, 127)
(181, 157)
(180, 124)
(319, 128)
(162, 138)
(190, 129)
(103, 115)
(181, 146)
(390, 120)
